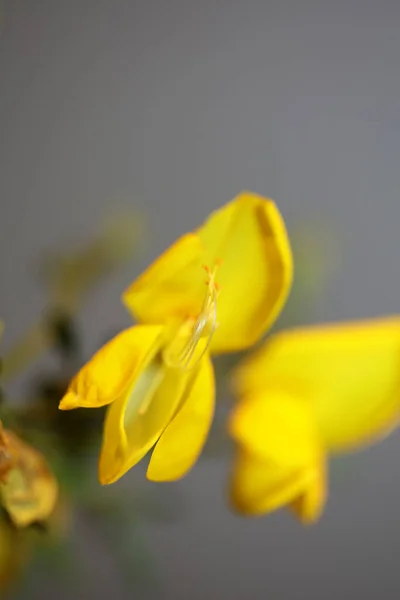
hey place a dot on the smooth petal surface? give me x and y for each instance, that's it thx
(135, 421)
(182, 441)
(309, 505)
(172, 287)
(248, 235)
(277, 428)
(350, 372)
(105, 377)
(258, 486)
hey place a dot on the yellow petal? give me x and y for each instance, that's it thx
(276, 427)
(248, 235)
(309, 505)
(172, 288)
(111, 370)
(258, 486)
(182, 441)
(137, 418)
(28, 490)
(349, 371)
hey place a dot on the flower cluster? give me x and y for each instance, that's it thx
(303, 394)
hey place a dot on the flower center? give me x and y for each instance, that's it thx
(194, 336)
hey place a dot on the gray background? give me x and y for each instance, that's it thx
(173, 107)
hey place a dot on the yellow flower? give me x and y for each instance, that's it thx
(307, 393)
(28, 489)
(157, 377)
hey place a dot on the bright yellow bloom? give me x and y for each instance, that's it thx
(307, 393)
(215, 290)
(28, 489)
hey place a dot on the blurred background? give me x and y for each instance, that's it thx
(165, 110)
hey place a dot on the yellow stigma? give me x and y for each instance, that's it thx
(194, 337)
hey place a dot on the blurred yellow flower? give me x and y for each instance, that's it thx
(157, 377)
(306, 393)
(28, 489)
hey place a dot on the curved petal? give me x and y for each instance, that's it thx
(309, 505)
(105, 377)
(349, 371)
(182, 441)
(278, 450)
(249, 238)
(258, 486)
(137, 418)
(172, 287)
(276, 427)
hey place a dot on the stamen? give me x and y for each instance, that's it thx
(202, 329)
(143, 391)
(154, 381)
